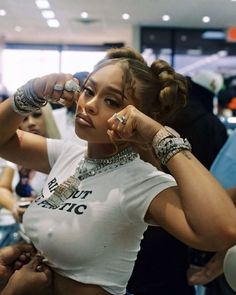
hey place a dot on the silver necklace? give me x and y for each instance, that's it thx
(88, 167)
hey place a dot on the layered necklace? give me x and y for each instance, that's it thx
(88, 167)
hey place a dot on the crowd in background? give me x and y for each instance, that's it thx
(165, 267)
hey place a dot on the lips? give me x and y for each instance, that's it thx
(83, 119)
(35, 131)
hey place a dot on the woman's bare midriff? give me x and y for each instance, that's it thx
(65, 286)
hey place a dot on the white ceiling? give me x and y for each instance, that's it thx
(106, 14)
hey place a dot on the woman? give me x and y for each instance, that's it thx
(98, 201)
(19, 185)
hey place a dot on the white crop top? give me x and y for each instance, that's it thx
(95, 235)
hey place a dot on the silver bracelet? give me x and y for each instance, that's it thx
(169, 147)
(25, 100)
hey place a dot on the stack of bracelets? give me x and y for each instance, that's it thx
(168, 147)
(25, 100)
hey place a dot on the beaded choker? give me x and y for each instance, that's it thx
(88, 167)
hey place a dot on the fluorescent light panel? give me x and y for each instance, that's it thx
(42, 4)
(48, 14)
(53, 23)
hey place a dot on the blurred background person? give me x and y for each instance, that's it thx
(19, 185)
(163, 261)
(211, 273)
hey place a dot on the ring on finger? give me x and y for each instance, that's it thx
(58, 87)
(121, 119)
(39, 268)
(71, 85)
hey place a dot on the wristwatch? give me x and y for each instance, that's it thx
(163, 133)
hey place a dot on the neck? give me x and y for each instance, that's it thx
(101, 151)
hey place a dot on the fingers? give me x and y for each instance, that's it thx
(15, 251)
(37, 265)
(27, 249)
(25, 253)
(121, 126)
(57, 88)
(200, 277)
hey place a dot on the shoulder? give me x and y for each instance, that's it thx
(64, 150)
(142, 169)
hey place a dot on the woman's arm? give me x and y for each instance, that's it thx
(24, 148)
(7, 201)
(7, 177)
(198, 211)
(232, 193)
(27, 149)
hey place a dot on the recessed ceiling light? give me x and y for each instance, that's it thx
(53, 23)
(3, 12)
(42, 4)
(206, 19)
(84, 14)
(18, 29)
(48, 14)
(166, 18)
(125, 16)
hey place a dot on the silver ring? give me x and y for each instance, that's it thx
(72, 86)
(58, 87)
(39, 268)
(121, 119)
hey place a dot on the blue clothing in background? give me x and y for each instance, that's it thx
(224, 166)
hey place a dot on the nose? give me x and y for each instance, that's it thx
(91, 106)
(31, 121)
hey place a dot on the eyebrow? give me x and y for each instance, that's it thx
(109, 88)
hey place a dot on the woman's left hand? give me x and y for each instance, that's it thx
(132, 125)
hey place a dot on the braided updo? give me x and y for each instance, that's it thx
(160, 91)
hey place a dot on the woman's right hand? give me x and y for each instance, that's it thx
(44, 87)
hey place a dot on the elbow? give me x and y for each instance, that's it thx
(230, 237)
(216, 241)
(226, 239)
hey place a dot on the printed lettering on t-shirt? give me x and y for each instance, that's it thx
(52, 184)
(78, 195)
(68, 207)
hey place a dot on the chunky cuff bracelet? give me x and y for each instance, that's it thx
(169, 147)
(25, 100)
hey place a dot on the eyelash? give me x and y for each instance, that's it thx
(34, 115)
(111, 102)
(88, 91)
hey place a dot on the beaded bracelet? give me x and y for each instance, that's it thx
(169, 147)
(25, 100)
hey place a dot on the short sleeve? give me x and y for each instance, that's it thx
(142, 189)
(11, 165)
(60, 150)
(54, 147)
